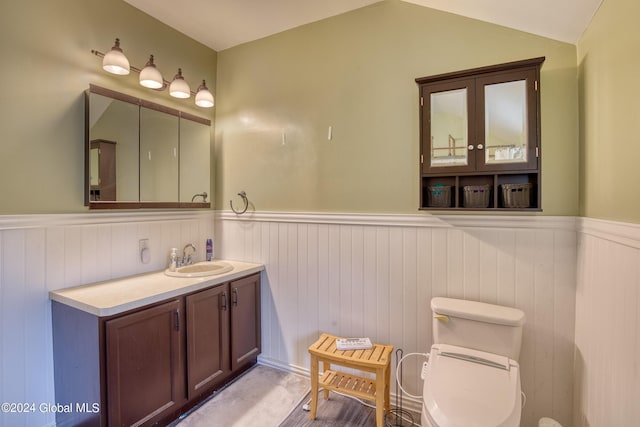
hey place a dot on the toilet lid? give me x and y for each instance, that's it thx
(470, 388)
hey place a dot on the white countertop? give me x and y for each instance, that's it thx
(119, 295)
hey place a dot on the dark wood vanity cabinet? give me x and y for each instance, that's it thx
(223, 331)
(207, 338)
(245, 321)
(144, 380)
(147, 366)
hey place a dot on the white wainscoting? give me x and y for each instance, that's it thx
(607, 337)
(374, 275)
(39, 253)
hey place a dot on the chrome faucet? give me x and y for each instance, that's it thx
(186, 258)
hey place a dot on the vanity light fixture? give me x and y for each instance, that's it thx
(179, 88)
(204, 98)
(115, 62)
(150, 76)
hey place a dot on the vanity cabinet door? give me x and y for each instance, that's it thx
(207, 338)
(143, 366)
(245, 320)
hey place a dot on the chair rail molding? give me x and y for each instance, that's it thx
(13, 222)
(407, 220)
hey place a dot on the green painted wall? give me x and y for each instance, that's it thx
(47, 65)
(609, 64)
(355, 72)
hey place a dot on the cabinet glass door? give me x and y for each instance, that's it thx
(449, 128)
(505, 122)
(507, 125)
(447, 122)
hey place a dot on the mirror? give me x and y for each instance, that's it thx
(159, 140)
(114, 141)
(194, 161)
(140, 154)
(449, 128)
(506, 121)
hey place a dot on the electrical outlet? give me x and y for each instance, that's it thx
(145, 253)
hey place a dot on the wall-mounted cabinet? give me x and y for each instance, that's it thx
(480, 138)
(161, 156)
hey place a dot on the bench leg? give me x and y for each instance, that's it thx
(381, 397)
(325, 367)
(387, 390)
(314, 387)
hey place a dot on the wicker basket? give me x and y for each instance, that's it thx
(439, 196)
(476, 196)
(516, 195)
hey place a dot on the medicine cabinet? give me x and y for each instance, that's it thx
(139, 154)
(480, 138)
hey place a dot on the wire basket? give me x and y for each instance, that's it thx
(517, 195)
(439, 196)
(476, 196)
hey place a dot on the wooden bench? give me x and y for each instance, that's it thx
(375, 360)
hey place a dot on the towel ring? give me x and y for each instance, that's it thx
(246, 203)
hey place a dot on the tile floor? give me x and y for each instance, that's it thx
(262, 397)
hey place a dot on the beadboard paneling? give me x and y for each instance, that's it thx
(39, 253)
(607, 336)
(361, 275)
(374, 275)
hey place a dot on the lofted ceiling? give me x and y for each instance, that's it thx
(221, 24)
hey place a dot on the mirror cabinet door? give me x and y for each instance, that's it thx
(447, 125)
(158, 156)
(449, 128)
(506, 122)
(114, 122)
(195, 158)
(482, 124)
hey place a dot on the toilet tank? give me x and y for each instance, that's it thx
(486, 327)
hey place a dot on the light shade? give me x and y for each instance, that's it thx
(204, 98)
(150, 76)
(115, 62)
(179, 88)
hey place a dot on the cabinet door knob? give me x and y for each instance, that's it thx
(470, 147)
(480, 146)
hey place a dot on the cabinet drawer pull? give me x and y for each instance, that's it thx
(235, 296)
(224, 301)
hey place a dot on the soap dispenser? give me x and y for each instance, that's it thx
(173, 259)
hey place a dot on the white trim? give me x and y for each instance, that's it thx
(9, 222)
(277, 364)
(624, 233)
(408, 220)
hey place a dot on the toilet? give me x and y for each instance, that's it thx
(472, 378)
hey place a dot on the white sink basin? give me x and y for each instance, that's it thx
(201, 269)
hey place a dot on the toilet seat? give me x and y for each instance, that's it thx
(470, 388)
